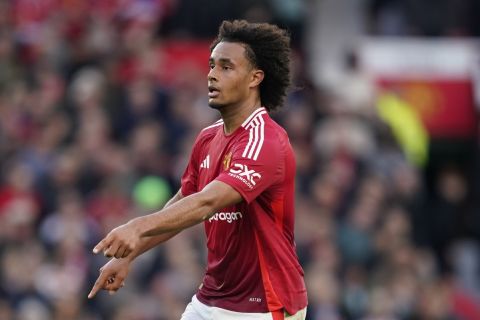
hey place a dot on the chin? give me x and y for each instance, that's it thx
(215, 105)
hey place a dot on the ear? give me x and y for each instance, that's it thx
(256, 78)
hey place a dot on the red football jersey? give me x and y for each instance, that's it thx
(252, 264)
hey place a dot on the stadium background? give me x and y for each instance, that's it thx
(100, 102)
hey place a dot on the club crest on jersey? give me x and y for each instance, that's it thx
(243, 173)
(226, 161)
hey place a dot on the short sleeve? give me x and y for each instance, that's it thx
(189, 181)
(253, 169)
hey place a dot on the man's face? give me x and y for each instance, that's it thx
(230, 76)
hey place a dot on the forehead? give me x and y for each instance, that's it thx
(233, 51)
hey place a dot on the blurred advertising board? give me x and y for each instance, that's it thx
(436, 77)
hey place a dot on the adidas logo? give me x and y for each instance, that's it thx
(206, 163)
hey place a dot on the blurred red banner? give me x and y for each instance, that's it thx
(445, 105)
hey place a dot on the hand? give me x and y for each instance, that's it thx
(112, 276)
(119, 242)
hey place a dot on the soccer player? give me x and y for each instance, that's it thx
(239, 182)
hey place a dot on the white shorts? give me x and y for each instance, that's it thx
(198, 311)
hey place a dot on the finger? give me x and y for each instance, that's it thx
(127, 252)
(103, 267)
(116, 284)
(102, 245)
(101, 282)
(112, 250)
(121, 252)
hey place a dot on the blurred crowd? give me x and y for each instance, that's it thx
(95, 128)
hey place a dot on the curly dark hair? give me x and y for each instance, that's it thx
(268, 48)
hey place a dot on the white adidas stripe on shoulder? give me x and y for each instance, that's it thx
(216, 124)
(262, 137)
(254, 114)
(256, 126)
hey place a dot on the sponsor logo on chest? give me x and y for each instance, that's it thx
(226, 216)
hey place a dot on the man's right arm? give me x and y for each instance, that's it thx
(150, 242)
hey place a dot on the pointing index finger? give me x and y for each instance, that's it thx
(94, 290)
(102, 245)
(98, 285)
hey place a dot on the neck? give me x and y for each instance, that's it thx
(233, 116)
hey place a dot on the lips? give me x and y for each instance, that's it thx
(213, 92)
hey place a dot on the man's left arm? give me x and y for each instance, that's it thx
(185, 213)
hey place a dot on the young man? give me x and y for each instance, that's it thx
(240, 183)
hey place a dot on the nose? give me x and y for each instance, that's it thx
(211, 75)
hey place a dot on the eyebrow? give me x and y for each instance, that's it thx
(221, 60)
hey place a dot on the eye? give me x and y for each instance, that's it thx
(211, 66)
(226, 68)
